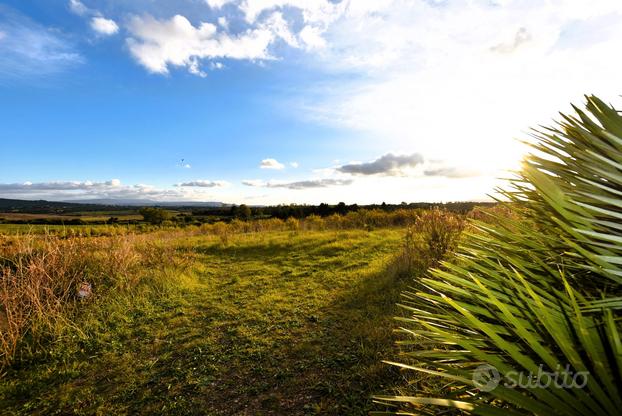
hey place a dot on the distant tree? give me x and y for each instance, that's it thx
(323, 210)
(154, 215)
(341, 208)
(234, 211)
(244, 212)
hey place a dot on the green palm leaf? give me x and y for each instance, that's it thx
(541, 294)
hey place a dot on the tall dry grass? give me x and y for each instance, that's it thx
(430, 238)
(362, 219)
(41, 276)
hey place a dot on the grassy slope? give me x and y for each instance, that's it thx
(273, 323)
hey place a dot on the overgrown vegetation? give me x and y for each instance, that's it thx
(40, 280)
(273, 322)
(535, 290)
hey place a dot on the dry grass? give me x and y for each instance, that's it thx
(40, 277)
(434, 234)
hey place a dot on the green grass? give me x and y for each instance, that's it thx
(54, 228)
(273, 323)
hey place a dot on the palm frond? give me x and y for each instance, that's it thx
(542, 295)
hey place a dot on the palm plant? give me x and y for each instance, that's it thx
(540, 296)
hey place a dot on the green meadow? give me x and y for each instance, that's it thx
(268, 323)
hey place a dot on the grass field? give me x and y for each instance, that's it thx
(270, 323)
(59, 229)
(86, 216)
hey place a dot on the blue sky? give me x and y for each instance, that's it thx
(280, 101)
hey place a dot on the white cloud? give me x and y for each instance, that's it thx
(157, 44)
(312, 38)
(57, 186)
(277, 24)
(294, 164)
(253, 182)
(104, 26)
(271, 164)
(386, 165)
(462, 80)
(217, 4)
(78, 8)
(98, 22)
(223, 22)
(112, 189)
(204, 184)
(298, 185)
(316, 11)
(160, 43)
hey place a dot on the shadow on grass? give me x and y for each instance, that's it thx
(195, 354)
(354, 334)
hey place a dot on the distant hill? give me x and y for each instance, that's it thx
(148, 202)
(44, 207)
(64, 207)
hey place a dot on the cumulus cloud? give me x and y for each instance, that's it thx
(157, 44)
(294, 164)
(217, 4)
(104, 26)
(57, 186)
(277, 24)
(112, 189)
(271, 164)
(313, 12)
(204, 184)
(307, 184)
(386, 165)
(99, 24)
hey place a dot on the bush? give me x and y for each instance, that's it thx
(314, 222)
(434, 234)
(292, 224)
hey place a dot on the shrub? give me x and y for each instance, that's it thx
(314, 222)
(292, 224)
(429, 239)
(222, 230)
(536, 292)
